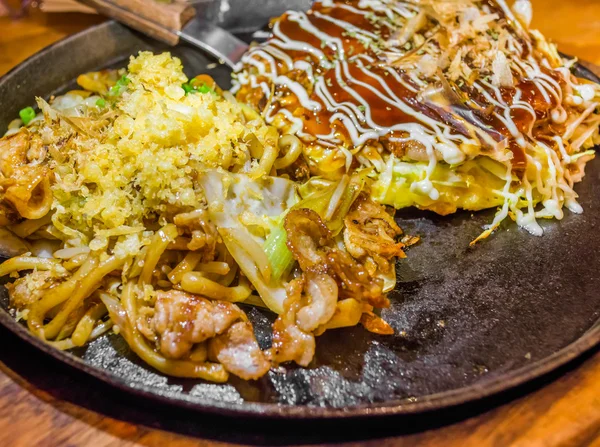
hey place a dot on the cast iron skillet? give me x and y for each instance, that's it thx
(469, 322)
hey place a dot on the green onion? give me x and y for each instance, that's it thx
(279, 255)
(115, 90)
(493, 33)
(101, 102)
(123, 81)
(27, 114)
(118, 88)
(189, 87)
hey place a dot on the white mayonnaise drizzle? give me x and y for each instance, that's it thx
(271, 64)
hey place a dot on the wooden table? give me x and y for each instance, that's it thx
(42, 403)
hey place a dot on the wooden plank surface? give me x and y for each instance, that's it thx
(43, 403)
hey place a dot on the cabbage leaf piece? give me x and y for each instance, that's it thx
(246, 211)
(249, 213)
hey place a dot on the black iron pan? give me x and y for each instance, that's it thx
(469, 322)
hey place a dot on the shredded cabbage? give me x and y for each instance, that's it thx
(538, 192)
(472, 185)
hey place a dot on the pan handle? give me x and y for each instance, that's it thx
(159, 20)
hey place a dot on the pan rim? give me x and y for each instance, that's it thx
(474, 392)
(477, 391)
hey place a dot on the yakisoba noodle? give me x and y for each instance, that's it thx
(150, 204)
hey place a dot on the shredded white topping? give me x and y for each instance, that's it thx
(436, 82)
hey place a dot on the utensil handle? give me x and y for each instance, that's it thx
(159, 20)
